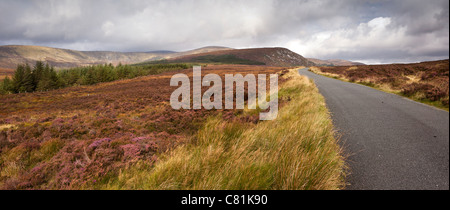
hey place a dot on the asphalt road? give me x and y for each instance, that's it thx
(393, 143)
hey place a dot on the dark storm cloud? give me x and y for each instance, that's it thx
(371, 31)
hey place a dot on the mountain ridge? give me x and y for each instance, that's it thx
(276, 56)
(12, 55)
(335, 62)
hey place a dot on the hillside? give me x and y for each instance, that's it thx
(256, 56)
(335, 62)
(196, 51)
(5, 72)
(12, 55)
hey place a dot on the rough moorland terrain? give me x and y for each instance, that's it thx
(73, 137)
(426, 81)
(125, 135)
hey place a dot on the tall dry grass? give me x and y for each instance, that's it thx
(297, 151)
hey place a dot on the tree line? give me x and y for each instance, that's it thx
(43, 77)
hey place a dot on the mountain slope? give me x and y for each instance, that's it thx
(197, 51)
(268, 56)
(335, 62)
(12, 55)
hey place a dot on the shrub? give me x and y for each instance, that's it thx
(413, 88)
(435, 94)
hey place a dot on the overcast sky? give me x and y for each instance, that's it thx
(370, 31)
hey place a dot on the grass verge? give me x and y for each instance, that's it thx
(418, 97)
(297, 151)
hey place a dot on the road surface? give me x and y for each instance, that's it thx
(393, 143)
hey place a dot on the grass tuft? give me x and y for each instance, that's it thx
(297, 151)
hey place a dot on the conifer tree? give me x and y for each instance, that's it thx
(7, 85)
(27, 84)
(55, 80)
(37, 73)
(18, 78)
(45, 83)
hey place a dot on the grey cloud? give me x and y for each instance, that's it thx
(421, 16)
(143, 25)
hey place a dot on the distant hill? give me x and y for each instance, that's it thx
(162, 52)
(335, 62)
(254, 56)
(197, 51)
(12, 55)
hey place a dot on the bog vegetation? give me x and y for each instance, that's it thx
(296, 151)
(124, 135)
(42, 77)
(426, 82)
